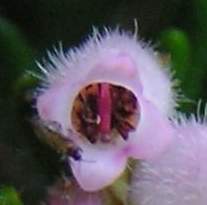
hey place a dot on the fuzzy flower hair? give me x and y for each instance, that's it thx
(113, 95)
(179, 176)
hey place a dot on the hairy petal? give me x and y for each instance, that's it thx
(114, 56)
(179, 176)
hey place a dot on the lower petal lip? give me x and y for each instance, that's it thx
(94, 176)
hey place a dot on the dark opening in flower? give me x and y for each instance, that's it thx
(103, 111)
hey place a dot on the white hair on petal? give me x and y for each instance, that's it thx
(158, 83)
(34, 75)
(200, 116)
(135, 28)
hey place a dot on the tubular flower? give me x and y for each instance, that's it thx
(178, 176)
(112, 99)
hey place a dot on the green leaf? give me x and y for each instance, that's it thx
(8, 196)
(177, 44)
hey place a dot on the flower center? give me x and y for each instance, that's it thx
(103, 111)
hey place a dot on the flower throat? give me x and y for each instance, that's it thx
(103, 111)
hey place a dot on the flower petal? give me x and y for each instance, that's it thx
(117, 57)
(153, 135)
(53, 104)
(99, 168)
(179, 176)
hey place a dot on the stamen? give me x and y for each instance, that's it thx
(104, 110)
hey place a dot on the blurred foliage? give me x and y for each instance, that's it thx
(28, 28)
(8, 196)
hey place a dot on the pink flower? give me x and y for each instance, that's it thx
(113, 95)
(179, 176)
